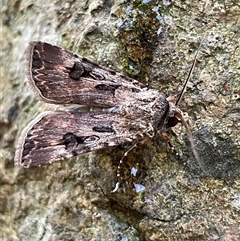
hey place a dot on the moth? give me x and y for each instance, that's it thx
(124, 109)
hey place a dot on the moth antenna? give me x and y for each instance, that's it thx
(189, 75)
(180, 116)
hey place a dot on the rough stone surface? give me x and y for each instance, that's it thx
(154, 42)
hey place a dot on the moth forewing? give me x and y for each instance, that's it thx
(61, 77)
(54, 136)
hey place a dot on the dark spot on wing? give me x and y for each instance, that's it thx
(71, 140)
(108, 88)
(103, 128)
(112, 72)
(36, 60)
(76, 71)
(135, 90)
(28, 146)
(74, 153)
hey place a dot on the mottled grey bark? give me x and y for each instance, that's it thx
(155, 43)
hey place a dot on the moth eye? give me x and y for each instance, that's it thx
(76, 71)
(172, 121)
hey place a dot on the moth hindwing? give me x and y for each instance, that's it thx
(129, 110)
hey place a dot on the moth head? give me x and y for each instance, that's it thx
(175, 116)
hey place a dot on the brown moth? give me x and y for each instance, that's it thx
(127, 110)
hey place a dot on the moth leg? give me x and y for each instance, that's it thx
(120, 163)
(125, 155)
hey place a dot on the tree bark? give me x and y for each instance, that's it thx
(154, 42)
